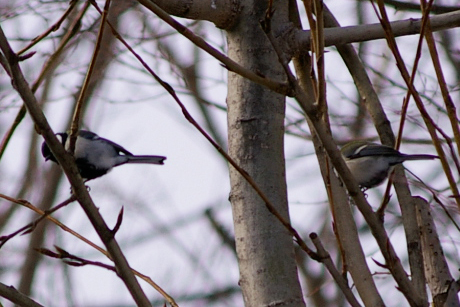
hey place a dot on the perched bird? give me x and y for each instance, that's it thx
(371, 163)
(95, 156)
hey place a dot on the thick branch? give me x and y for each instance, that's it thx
(385, 132)
(408, 6)
(443, 287)
(222, 13)
(362, 33)
(299, 40)
(17, 297)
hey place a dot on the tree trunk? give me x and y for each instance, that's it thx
(268, 274)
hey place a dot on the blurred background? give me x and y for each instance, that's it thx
(177, 224)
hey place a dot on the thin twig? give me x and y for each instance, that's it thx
(245, 175)
(53, 27)
(73, 260)
(377, 229)
(74, 127)
(231, 65)
(450, 107)
(432, 127)
(351, 251)
(90, 243)
(70, 169)
(418, 55)
(31, 226)
(339, 279)
(319, 53)
(47, 67)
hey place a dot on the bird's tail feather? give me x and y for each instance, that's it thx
(146, 159)
(420, 157)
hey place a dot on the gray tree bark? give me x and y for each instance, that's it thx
(268, 274)
(443, 286)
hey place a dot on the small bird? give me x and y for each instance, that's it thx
(96, 156)
(371, 163)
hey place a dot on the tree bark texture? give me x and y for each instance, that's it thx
(268, 274)
(443, 286)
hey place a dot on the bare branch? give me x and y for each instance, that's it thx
(363, 33)
(71, 170)
(339, 279)
(77, 116)
(231, 65)
(354, 260)
(90, 243)
(443, 286)
(13, 295)
(31, 226)
(53, 28)
(223, 13)
(432, 126)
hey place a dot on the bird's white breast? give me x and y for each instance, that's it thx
(365, 169)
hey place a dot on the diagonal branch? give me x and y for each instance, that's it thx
(270, 206)
(146, 278)
(76, 121)
(231, 65)
(32, 225)
(68, 165)
(13, 295)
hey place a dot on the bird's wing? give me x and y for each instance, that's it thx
(375, 150)
(93, 136)
(117, 147)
